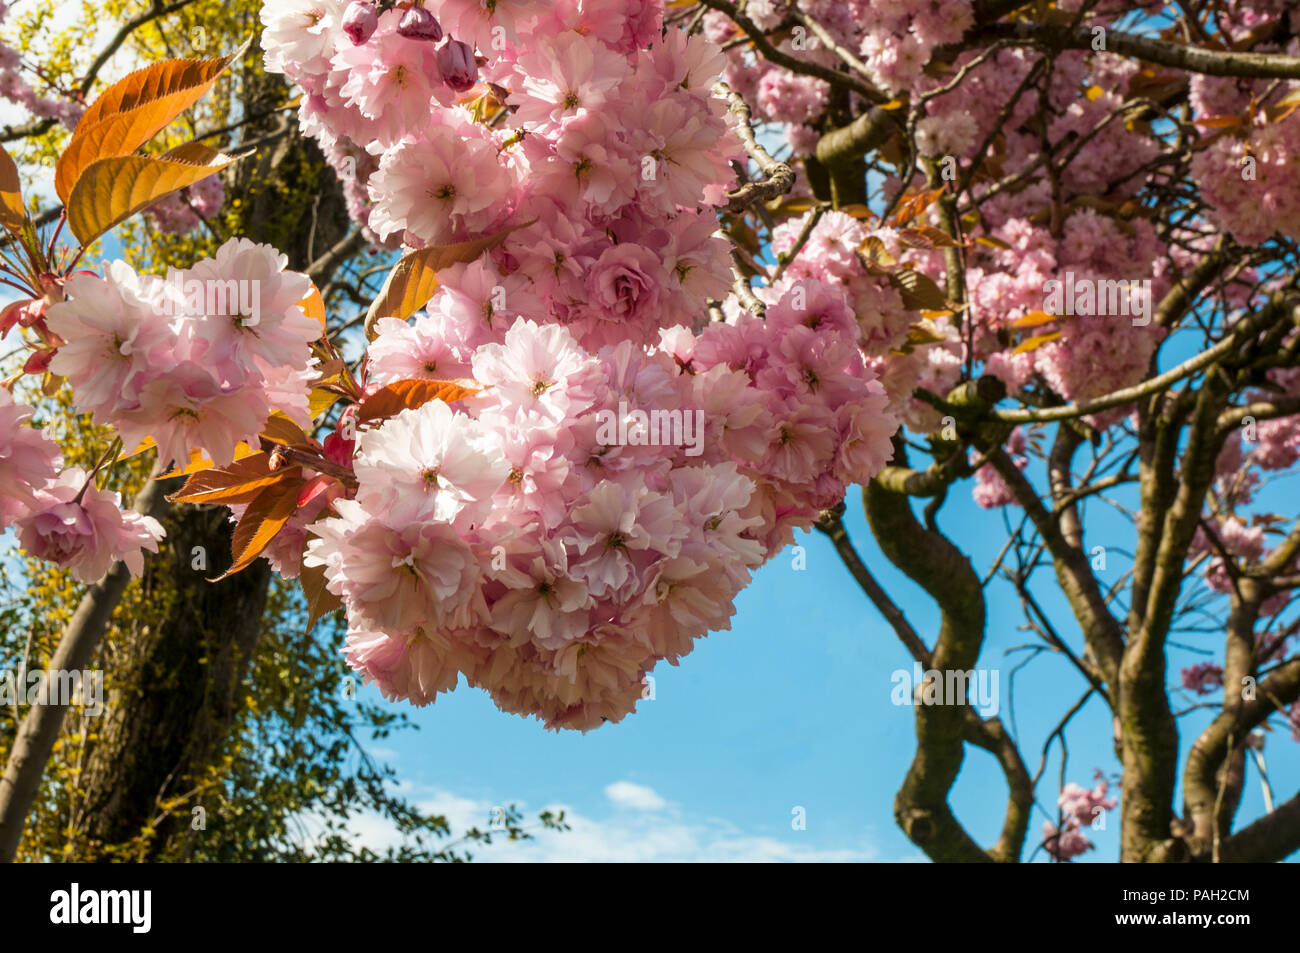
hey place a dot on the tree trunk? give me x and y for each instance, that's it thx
(180, 688)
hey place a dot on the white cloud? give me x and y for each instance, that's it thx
(636, 796)
(659, 834)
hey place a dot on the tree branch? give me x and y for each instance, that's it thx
(1175, 55)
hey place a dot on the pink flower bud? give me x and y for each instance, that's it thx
(418, 23)
(39, 362)
(32, 314)
(339, 449)
(456, 61)
(359, 21)
(13, 314)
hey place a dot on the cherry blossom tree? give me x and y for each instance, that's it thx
(668, 281)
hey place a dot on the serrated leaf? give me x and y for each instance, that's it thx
(1035, 342)
(148, 443)
(1284, 107)
(913, 206)
(861, 212)
(926, 237)
(133, 110)
(919, 292)
(1033, 319)
(414, 279)
(320, 601)
(924, 334)
(320, 401)
(111, 190)
(238, 483)
(740, 232)
(793, 206)
(13, 214)
(1219, 122)
(401, 395)
(874, 247)
(1149, 84)
(199, 462)
(280, 429)
(993, 242)
(266, 515)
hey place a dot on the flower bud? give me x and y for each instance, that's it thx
(418, 23)
(359, 21)
(12, 315)
(456, 61)
(39, 362)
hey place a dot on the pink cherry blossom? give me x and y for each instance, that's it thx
(84, 529)
(29, 459)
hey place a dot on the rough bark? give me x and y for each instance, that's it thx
(921, 807)
(181, 689)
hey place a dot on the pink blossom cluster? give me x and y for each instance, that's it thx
(1239, 18)
(197, 362)
(182, 359)
(538, 539)
(1234, 537)
(1243, 542)
(180, 212)
(85, 529)
(1084, 89)
(1248, 175)
(60, 515)
(991, 491)
(29, 459)
(1276, 441)
(1249, 453)
(1202, 678)
(549, 539)
(1065, 845)
(894, 40)
(1107, 344)
(831, 255)
(1080, 807)
(612, 153)
(16, 88)
(1016, 254)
